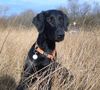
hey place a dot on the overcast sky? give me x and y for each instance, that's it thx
(16, 6)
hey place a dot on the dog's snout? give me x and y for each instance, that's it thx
(60, 36)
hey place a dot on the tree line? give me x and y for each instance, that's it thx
(83, 14)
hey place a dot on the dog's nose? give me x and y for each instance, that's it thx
(60, 36)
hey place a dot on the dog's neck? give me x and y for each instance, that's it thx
(45, 44)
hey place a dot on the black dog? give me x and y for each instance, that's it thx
(51, 26)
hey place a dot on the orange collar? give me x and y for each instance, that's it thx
(51, 56)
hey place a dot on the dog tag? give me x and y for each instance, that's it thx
(35, 56)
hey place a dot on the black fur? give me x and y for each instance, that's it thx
(51, 26)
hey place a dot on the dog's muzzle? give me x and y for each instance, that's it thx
(60, 38)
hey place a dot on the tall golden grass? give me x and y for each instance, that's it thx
(79, 53)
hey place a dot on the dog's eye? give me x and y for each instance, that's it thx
(50, 19)
(60, 19)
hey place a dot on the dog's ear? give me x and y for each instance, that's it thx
(38, 21)
(66, 22)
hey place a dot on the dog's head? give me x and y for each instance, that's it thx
(52, 23)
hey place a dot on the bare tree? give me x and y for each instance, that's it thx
(73, 8)
(3, 10)
(63, 9)
(23, 19)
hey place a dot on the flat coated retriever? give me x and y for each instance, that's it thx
(51, 26)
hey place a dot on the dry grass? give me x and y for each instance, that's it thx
(79, 53)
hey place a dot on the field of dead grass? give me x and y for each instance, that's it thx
(79, 53)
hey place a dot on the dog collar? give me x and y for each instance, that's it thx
(51, 56)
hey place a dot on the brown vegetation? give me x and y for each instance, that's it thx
(79, 53)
